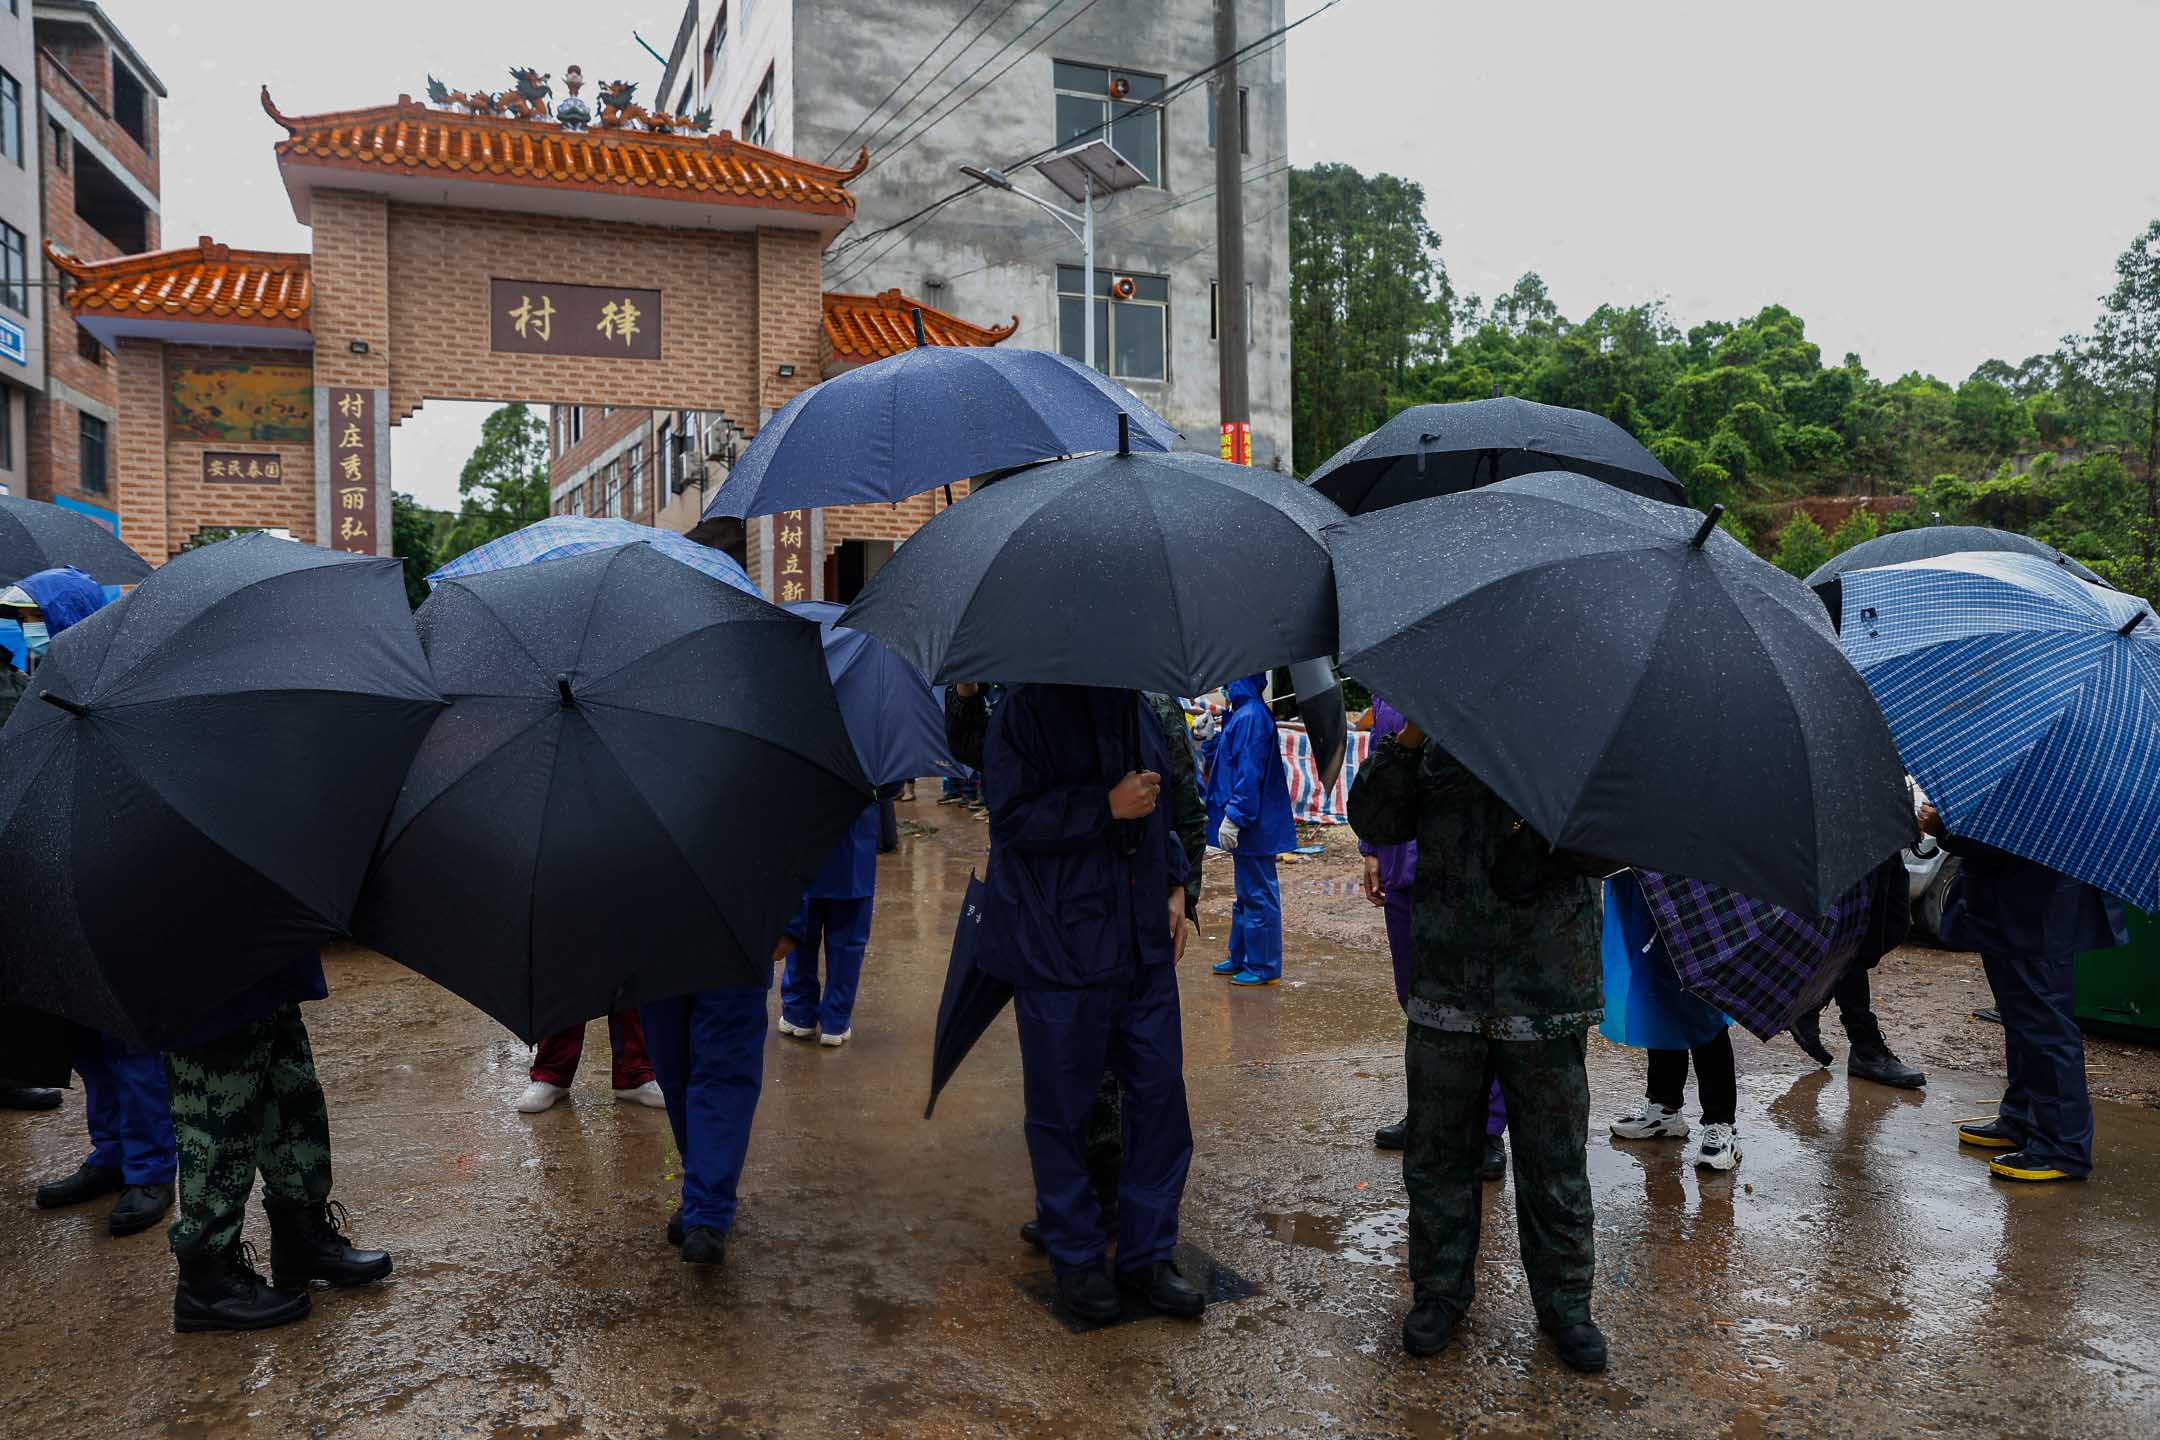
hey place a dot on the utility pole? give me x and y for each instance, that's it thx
(1230, 323)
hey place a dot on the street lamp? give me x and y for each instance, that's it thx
(1080, 174)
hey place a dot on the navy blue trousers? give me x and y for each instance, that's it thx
(708, 1053)
(842, 929)
(2046, 1105)
(1067, 1039)
(130, 1114)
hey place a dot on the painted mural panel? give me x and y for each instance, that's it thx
(242, 401)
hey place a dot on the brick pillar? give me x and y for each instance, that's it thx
(790, 279)
(351, 277)
(138, 449)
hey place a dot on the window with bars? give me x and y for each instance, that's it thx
(14, 269)
(92, 435)
(1132, 333)
(1244, 118)
(634, 468)
(1121, 106)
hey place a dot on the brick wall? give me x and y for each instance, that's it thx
(82, 83)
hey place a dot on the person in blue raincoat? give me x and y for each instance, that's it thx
(1248, 801)
(835, 915)
(124, 1095)
(1085, 919)
(2029, 923)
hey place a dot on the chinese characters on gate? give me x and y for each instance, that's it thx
(791, 556)
(541, 317)
(352, 471)
(230, 467)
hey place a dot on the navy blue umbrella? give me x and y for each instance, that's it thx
(913, 422)
(896, 722)
(972, 999)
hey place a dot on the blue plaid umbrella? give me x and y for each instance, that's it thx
(2027, 704)
(560, 536)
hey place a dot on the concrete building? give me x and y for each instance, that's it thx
(22, 233)
(98, 130)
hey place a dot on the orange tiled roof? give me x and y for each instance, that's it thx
(870, 327)
(206, 281)
(414, 139)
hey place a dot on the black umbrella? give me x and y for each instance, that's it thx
(640, 770)
(1632, 681)
(1327, 721)
(1930, 542)
(971, 999)
(1165, 572)
(190, 790)
(38, 536)
(1430, 450)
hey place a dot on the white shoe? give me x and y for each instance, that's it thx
(1720, 1148)
(1651, 1121)
(645, 1094)
(836, 1041)
(800, 1032)
(540, 1096)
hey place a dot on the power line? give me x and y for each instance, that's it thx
(928, 80)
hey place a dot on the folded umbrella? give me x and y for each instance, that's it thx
(1164, 572)
(971, 999)
(2026, 702)
(640, 770)
(190, 790)
(928, 417)
(1633, 681)
(1929, 542)
(36, 535)
(1762, 964)
(895, 719)
(561, 536)
(1430, 450)
(1326, 718)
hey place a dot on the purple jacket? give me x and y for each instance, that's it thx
(1398, 863)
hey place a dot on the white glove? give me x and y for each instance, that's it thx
(1228, 837)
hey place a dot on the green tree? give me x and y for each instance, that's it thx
(412, 536)
(1802, 546)
(1858, 528)
(504, 485)
(2125, 353)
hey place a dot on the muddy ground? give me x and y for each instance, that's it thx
(1857, 1275)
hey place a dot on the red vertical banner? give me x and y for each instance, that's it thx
(1237, 442)
(352, 471)
(791, 556)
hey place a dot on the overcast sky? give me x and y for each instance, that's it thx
(1928, 182)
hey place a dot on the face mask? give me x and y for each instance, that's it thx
(35, 636)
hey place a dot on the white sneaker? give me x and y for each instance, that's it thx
(1720, 1148)
(836, 1040)
(800, 1032)
(540, 1096)
(1651, 1121)
(645, 1094)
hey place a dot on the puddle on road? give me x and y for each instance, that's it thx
(1374, 1238)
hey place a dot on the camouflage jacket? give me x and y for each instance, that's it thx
(1188, 812)
(1504, 936)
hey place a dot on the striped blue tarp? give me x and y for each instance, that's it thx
(2027, 704)
(560, 536)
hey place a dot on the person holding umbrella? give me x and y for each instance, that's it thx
(1087, 909)
(124, 1099)
(1505, 981)
(1248, 803)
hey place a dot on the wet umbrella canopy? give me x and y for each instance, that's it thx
(1430, 450)
(1931, 542)
(191, 789)
(896, 721)
(932, 416)
(1632, 681)
(640, 770)
(38, 536)
(1164, 572)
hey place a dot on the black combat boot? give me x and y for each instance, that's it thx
(1872, 1058)
(1392, 1137)
(307, 1242)
(1089, 1295)
(1163, 1287)
(219, 1290)
(1427, 1329)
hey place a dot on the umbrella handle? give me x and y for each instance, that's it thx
(562, 688)
(2136, 620)
(80, 711)
(1709, 523)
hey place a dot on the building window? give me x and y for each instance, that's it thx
(634, 467)
(1121, 106)
(1214, 314)
(14, 270)
(577, 424)
(611, 491)
(715, 46)
(62, 147)
(130, 103)
(91, 452)
(1132, 333)
(86, 345)
(664, 466)
(11, 141)
(757, 120)
(1244, 119)
(7, 427)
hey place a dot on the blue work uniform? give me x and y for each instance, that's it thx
(1077, 921)
(2029, 924)
(836, 912)
(708, 1053)
(1246, 786)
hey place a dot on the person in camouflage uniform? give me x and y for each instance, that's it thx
(1505, 981)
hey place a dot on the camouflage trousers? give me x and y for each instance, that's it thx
(247, 1102)
(1548, 1110)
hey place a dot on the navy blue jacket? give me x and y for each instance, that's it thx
(850, 868)
(1076, 898)
(2004, 904)
(1245, 782)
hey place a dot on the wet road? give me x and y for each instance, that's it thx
(1855, 1276)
